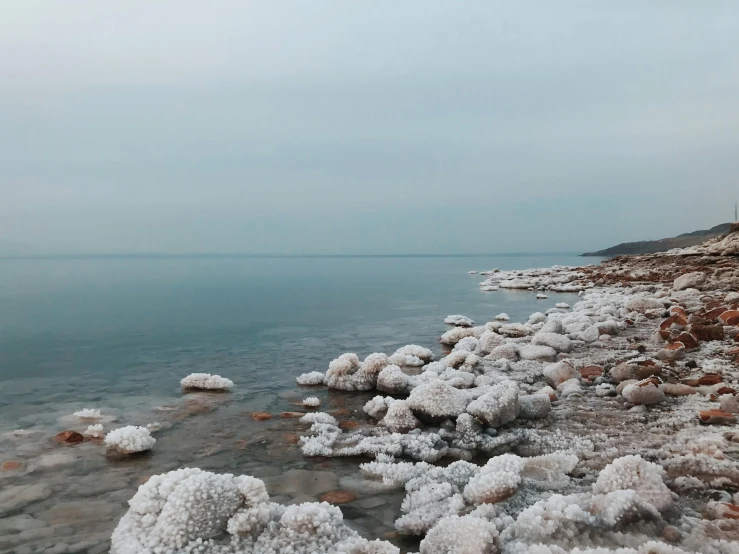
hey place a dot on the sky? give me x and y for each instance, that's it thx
(420, 126)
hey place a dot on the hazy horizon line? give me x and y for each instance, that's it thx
(214, 255)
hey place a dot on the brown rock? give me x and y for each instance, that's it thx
(716, 416)
(591, 372)
(724, 510)
(688, 340)
(729, 317)
(678, 310)
(647, 368)
(69, 437)
(671, 534)
(710, 379)
(348, 425)
(715, 313)
(707, 332)
(338, 497)
(11, 465)
(260, 416)
(674, 321)
(292, 438)
(672, 352)
(725, 390)
(291, 415)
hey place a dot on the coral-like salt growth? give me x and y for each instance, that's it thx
(206, 381)
(94, 431)
(311, 402)
(129, 440)
(88, 413)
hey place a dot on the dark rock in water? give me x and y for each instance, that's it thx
(338, 497)
(691, 364)
(69, 437)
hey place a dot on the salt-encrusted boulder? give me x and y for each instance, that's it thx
(497, 407)
(95, 431)
(497, 480)
(553, 325)
(424, 354)
(537, 317)
(672, 352)
(643, 392)
(467, 344)
(341, 372)
(311, 378)
(514, 330)
(635, 473)
(487, 342)
(559, 372)
(507, 351)
(399, 418)
(569, 387)
(129, 440)
(643, 304)
(623, 372)
(392, 380)
(461, 535)
(311, 402)
(536, 352)
(206, 381)
(560, 343)
(377, 406)
(436, 401)
(689, 281)
(459, 320)
(534, 406)
(502, 317)
(453, 336)
(191, 510)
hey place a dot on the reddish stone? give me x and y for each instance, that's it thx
(11, 466)
(629, 322)
(348, 424)
(591, 372)
(713, 304)
(715, 313)
(338, 497)
(69, 437)
(707, 332)
(291, 415)
(647, 368)
(716, 416)
(731, 511)
(292, 438)
(688, 340)
(678, 310)
(690, 382)
(260, 416)
(729, 317)
(725, 390)
(710, 379)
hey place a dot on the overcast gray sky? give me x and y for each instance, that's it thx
(364, 127)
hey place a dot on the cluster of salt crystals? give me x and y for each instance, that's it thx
(88, 413)
(458, 320)
(206, 381)
(129, 440)
(95, 431)
(310, 378)
(195, 511)
(311, 402)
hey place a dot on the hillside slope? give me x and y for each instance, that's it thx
(663, 245)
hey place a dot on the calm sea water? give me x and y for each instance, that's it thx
(121, 332)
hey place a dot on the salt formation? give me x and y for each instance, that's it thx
(94, 431)
(206, 381)
(461, 535)
(129, 440)
(88, 413)
(458, 321)
(310, 378)
(347, 373)
(191, 510)
(311, 402)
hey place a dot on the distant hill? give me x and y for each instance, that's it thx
(662, 245)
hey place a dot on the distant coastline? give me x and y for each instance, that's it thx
(663, 245)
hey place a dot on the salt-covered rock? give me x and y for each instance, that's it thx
(461, 535)
(206, 381)
(536, 352)
(498, 406)
(552, 325)
(569, 387)
(635, 473)
(400, 418)
(691, 280)
(129, 440)
(311, 378)
(504, 351)
(94, 431)
(534, 406)
(559, 372)
(392, 380)
(560, 343)
(515, 330)
(88, 414)
(416, 351)
(497, 480)
(311, 402)
(644, 392)
(502, 317)
(456, 334)
(537, 317)
(459, 321)
(487, 342)
(562, 305)
(436, 401)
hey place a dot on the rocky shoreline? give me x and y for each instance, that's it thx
(608, 427)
